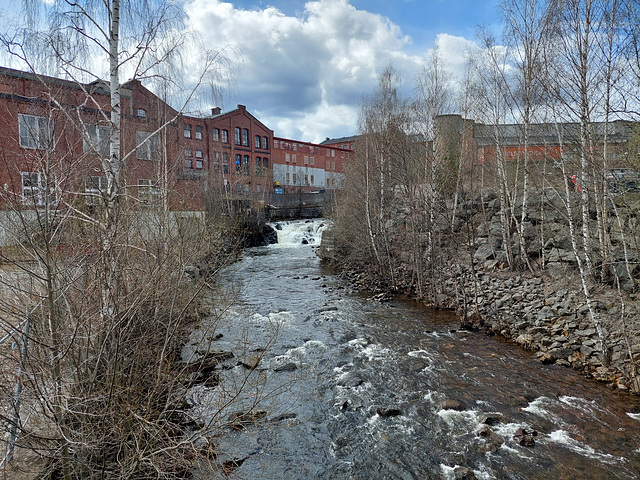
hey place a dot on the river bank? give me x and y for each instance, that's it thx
(542, 311)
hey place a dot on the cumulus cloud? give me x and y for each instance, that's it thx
(305, 75)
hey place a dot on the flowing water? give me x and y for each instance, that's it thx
(344, 387)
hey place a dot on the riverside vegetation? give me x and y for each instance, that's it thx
(542, 310)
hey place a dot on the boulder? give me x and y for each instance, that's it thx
(526, 438)
(463, 473)
(386, 412)
(450, 404)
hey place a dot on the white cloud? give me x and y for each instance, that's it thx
(305, 76)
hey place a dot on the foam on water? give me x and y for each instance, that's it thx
(537, 407)
(448, 473)
(635, 416)
(585, 406)
(562, 437)
(296, 233)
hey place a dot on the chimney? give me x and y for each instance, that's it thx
(242, 108)
(215, 111)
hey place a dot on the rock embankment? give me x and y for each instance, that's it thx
(544, 310)
(544, 314)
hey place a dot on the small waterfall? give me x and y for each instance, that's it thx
(300, 232)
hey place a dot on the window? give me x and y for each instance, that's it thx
(306, 179)
(246, 165)
(333, 166)
(333, 153)
(93, 187)
(311, 161)
(198, 132)
(287, 177)
(245, 137)
(187, 163)
(257, 141)
(238, 164)
(225, 162)
(306, 159)
(198, 153)
(199, 164)
(275, 144)
(293, 158)
(187, 130)
(237, 136)
(258, 166)
(141, 112)
(287, 157)
(187, 153)
(295, 178)
(312, 180)
(265, 143)
(34, 188)
(216, 134)
(96, 140)
(216, 162)
(265, 167)
(225, 136)
(35, 132)
(148, 192)
(258, 188)
(147, 146)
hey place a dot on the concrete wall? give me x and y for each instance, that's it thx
(15, 227)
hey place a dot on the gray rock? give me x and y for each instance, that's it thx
(287, 367)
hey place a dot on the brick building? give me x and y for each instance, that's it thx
(54, 135)
(307, 167)
(239, 151)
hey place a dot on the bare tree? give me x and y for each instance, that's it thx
(108, 285)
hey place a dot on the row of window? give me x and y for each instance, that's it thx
(241, 138)
(197, 131)
(308, 179)
(329, 152)
(242, 164)
(36, 192)
(292, 158)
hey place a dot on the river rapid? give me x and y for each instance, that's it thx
(327, 383)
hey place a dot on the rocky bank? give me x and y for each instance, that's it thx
(544, 310)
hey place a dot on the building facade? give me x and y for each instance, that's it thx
(307, 167)
(55, 140)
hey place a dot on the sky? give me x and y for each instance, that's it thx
(303, 68)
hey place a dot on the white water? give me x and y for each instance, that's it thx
(297, 233)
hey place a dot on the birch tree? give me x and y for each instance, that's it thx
(438, 168)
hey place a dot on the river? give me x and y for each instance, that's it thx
(341, 386)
